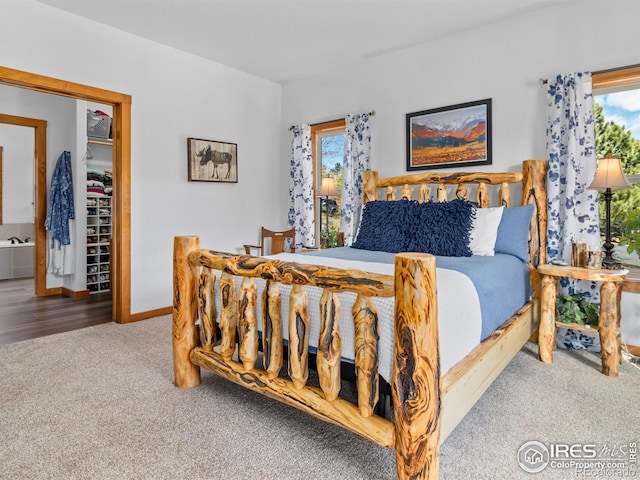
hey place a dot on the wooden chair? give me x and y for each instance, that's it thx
(278, 241)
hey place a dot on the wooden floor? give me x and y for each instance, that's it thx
(24, 316)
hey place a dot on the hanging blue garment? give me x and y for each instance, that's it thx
(61, 208)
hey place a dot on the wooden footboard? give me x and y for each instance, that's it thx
(416, 373)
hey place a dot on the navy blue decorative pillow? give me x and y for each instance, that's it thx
(442, 228)
(385, 226)
(513, 232)
(409, 226)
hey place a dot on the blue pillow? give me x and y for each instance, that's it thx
(513, 232)
(385, 226)
(442, 228)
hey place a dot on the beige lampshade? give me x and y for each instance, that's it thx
(328, 188)
(609, 175)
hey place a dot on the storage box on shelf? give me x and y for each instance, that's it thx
(98, 124)
(99, 243)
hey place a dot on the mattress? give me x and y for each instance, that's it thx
(459, 314)
(502, 281)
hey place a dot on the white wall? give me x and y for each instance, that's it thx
(17, 173)
(503, 61)
(174, 96)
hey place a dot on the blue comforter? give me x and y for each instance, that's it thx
(502, 281)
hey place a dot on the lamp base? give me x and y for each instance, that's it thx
(611, 265)
(608, 262)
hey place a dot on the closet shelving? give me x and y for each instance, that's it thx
(99, 243)
(100, 141)
(99, 200)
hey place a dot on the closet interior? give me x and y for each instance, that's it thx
(99, 199)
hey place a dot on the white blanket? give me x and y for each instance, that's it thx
(459, 317)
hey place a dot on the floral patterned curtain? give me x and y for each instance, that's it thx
(572, 209)
(357, 159)
(301, 213)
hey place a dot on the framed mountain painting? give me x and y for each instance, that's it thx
(453, 136)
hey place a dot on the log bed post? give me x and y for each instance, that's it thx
(185, 331)
(547, 328)
(534, 192)
(416, 367)
(370, 189)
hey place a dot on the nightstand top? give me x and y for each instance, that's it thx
(580, 273)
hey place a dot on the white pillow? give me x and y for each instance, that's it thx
(484, 232)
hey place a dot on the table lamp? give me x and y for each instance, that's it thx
(609, 176)
(327, 189)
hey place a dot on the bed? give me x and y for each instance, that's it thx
(229, 317)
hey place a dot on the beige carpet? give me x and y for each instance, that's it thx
(99, 403)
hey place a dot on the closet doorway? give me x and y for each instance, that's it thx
(121, 248)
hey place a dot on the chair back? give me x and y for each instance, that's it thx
(278, 240)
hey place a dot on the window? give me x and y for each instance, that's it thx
(616, 96)
(327, 141)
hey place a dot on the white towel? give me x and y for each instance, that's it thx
(60, 259)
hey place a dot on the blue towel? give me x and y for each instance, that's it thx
(61, 208)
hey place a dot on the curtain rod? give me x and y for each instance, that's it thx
(371, 113)
(545, 81)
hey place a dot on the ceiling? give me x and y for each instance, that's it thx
(282, 40)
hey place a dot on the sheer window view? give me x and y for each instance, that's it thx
(618, 132)
(329, 161)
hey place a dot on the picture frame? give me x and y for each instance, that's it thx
(212, 161)
(452, 136)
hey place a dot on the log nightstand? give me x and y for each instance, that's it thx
(608, 323)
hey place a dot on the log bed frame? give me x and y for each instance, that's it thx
(426, 406)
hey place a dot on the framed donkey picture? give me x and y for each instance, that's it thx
(212, 161)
